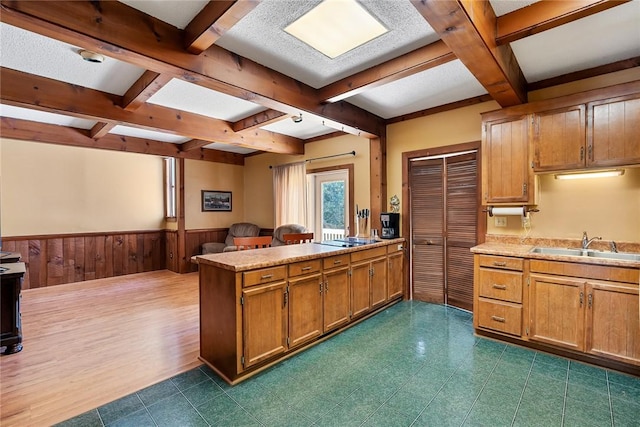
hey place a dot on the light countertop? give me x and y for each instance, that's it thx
(279, 255)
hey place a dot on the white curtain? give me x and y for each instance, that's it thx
(290, 194)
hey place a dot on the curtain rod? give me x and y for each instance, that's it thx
(352, 153)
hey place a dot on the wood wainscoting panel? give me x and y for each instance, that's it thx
(55, 259)
(195, 239)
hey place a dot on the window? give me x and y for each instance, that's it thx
(328, 199)
(170, 187)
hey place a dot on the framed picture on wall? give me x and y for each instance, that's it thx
(216, 201)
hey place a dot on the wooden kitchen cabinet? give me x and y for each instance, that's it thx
(395, 273)
(556, 310)
(336, 295)
(559, 139)
(305, 309)
(507, 174)
(498, 293)
(613, 327)
(368, 280)
(614, 132)
(305, 301)
(258, 310)
(264, 322)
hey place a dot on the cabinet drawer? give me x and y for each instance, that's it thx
(304, 267)
(264, 275)
(496, 261)
(500, 316)
(369, 253)
(335, 261)
(501, 284)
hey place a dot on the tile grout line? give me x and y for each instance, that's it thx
(515, 414)
(566, 389)
(483, 386)
(606, 373)
(191, 404)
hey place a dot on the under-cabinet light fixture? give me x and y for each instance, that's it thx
(334, 27)
(594, 174)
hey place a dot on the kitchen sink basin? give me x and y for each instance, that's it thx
(615, 255)
(557, 251)
(625, 256)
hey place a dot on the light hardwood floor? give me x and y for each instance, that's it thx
(89, 343)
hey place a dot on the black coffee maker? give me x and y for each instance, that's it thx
(390, 225)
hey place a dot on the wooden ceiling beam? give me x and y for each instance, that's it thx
(100, 129)
(414, 62)
(258, 120)
(149, 83)
(468, 28)
(41, 93)
(545, 15)
(124, 33)
(62, 135)
(215, 19)
(193, 144)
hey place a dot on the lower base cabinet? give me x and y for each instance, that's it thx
(586, 309)
(264, 322)
(557, 311)
(251, 319)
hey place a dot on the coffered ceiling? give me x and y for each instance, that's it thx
(219, 80)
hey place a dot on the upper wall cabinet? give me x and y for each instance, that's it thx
(614, 132)
(593, 134)
(506, 174)
(559, 139)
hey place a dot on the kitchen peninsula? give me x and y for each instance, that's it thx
(260, 306)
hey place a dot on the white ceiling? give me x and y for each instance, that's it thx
(597, 40)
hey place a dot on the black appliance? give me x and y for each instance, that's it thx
(390, 225)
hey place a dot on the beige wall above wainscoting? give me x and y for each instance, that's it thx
(55, 189)
(259, 178)
(605, 207)
(200, 175)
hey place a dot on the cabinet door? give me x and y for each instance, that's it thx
(305, 309)
(336, 298)
(360, 288)
(395, 275)
(559, 139)
(507, 175)
(378, 282)
(264, 318)
(613, 329)
(557, 311)
(614, 132)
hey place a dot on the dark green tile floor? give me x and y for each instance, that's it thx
(415, 364)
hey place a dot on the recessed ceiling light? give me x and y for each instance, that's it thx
(89, 56)
(336, 26)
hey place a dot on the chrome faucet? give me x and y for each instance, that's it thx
(586, 241)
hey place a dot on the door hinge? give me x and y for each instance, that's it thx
(242, 360)
(349, 272)
(524, 189)
(526, 330)
(528, 281)
(242, 300)
(288, 341)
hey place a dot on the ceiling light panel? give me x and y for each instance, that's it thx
(307, 128)
(286, 54)
(186, 96)
(35, 54)
(335, 27)
(44, 117)
(230, 148)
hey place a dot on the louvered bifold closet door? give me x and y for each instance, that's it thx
(461, 225)
(427, 221)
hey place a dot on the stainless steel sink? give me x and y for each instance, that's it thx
(625, 256)
(557, 251)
